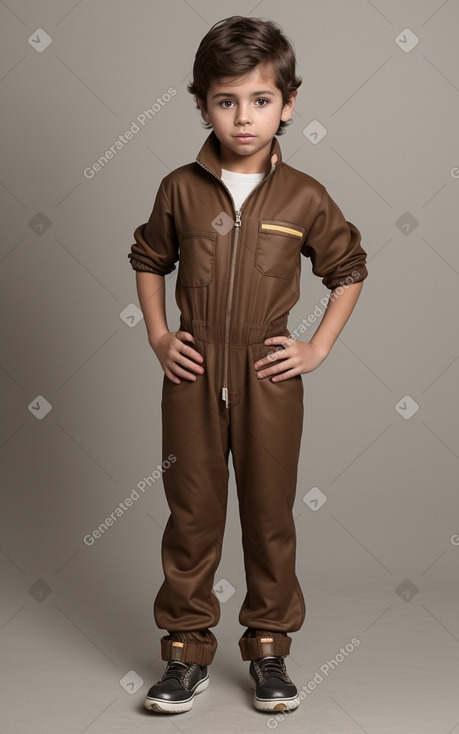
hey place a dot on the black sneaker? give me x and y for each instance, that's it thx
(274, 691)
(176, 689)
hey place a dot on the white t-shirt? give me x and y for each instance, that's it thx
(240, 184)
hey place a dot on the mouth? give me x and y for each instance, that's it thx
(245, 136)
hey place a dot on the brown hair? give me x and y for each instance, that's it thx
(235, 46)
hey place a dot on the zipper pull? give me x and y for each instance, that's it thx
(225, 396)
(237, 223)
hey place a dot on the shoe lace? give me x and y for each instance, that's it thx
(177, 669)
(274, 666)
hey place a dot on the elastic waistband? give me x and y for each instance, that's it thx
(240, 334)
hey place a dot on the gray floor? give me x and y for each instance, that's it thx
(399, 675)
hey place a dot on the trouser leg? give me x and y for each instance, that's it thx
(265, 434)
(195, 431)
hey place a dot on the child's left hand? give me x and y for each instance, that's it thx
(295, 358)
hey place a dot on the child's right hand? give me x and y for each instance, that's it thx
(176, 356)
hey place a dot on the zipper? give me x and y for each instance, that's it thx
(229, 304)
(229, 301)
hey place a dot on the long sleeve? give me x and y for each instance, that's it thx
(156, 245)
(334, 246)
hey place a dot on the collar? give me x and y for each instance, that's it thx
(209, 155)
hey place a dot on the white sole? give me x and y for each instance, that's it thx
(276, 704)
(171, 707)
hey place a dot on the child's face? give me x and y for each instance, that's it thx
(245, 113)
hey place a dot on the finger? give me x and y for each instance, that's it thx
(186, 340)
(275, 369)
(180, 371)
(187, 356)
(286, 375)
(280, 341)
(170, 375)
(185, 336)
(276, 354)
(186, 364)
(275, 339)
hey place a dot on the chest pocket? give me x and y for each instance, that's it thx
(196, 258)
(278, 248)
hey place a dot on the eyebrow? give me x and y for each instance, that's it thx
(253, 94)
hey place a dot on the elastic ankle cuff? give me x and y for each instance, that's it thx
(273, 643)
(187, 652)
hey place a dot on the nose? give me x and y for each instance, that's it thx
(243, 116)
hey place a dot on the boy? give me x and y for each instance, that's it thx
(238, 221)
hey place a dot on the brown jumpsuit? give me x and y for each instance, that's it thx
(238, 278)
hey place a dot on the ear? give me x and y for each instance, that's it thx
(287, 109)
(202, 106)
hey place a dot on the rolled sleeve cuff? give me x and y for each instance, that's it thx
(142, 267)
(148, 259)
(354, 273)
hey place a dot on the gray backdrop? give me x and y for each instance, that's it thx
(377, 506)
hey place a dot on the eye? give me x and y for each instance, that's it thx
(262, 102)
(227, 103)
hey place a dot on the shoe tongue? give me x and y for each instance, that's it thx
(178, 665)
(269, 658)
(273, 665)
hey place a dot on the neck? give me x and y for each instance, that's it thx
(256, 163)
